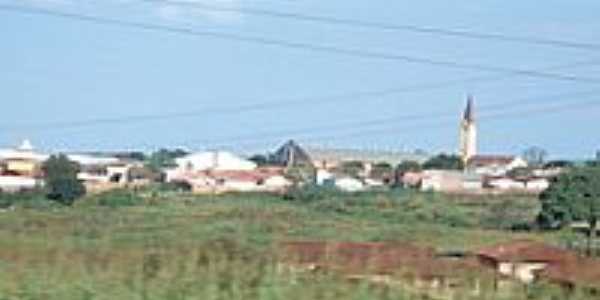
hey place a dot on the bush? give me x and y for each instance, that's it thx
(311, 193)
(117, 198)
(61, 180)
(29, 199)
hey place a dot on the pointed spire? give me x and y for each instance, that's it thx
(470, 110)
(26, 146)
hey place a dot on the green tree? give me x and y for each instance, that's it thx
(352, 168)
(260, 159)
(444, 162)
(520, 172)
(61, 180)
(408, 166)
(573, 196)
(164, 158)
(382, 170)
(301, 174)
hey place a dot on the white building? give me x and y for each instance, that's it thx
(450, 181)
(468, 132)
(349, 184)
(210, 160)
(494, 165)
(21, 168)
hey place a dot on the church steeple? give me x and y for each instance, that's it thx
(468, 132)
(469, 114)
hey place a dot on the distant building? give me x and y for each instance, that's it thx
(102, 172)
(494, 165)
(211, 160)
(330, 158)
(291, 155)
(468, 132)
(23, 160)
(21, 168)
(450, 181)
(223, 172)
(523, 259)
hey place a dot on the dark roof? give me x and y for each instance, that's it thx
(469, 114)
(526, 251)
(291, 154)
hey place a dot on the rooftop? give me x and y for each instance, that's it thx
(526, 251)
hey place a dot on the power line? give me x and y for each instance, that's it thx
(295, 45)
(383, 26)
(431, 120)
(279, 104)
(344, 130)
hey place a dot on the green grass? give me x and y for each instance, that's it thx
(156, 245)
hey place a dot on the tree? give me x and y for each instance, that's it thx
(382, 170)
(61, 180)
(444, 162)
(535, 156)
(260, 159)
(572, 196)
(164, 158)
(521, 172)
(408, 166)
(352, 168)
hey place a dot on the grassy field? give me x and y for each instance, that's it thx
(163, 245)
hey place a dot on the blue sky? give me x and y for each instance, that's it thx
(56, 71)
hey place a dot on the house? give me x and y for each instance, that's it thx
(217, 182)
(21, 168)
(582, 274)
(209, 160)
(523, 259)
(411, 179)
(537, 184)
(349, 184)
(527, 184)
(223, 172)
(323, 177)
(387, 263)
(494, 165)
(331, 158)
(102, 172)
(23, 160)
(504, 183)
(450, 181)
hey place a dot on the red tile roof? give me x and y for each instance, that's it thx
(580, 272)
(526, 251)
(352, 258)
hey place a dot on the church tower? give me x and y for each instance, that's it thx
(468, 132)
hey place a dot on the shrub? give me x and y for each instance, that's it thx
(311, 193)
(29, 199)
(117, 198)
(61, 180)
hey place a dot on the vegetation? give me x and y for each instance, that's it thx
(163, 244)
(408, 166)
(61, 180)
(381, 170)
(164, 158)
(352, 168)
(444, 162)
(573, 196)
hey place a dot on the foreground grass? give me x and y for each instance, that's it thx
(153, 245)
